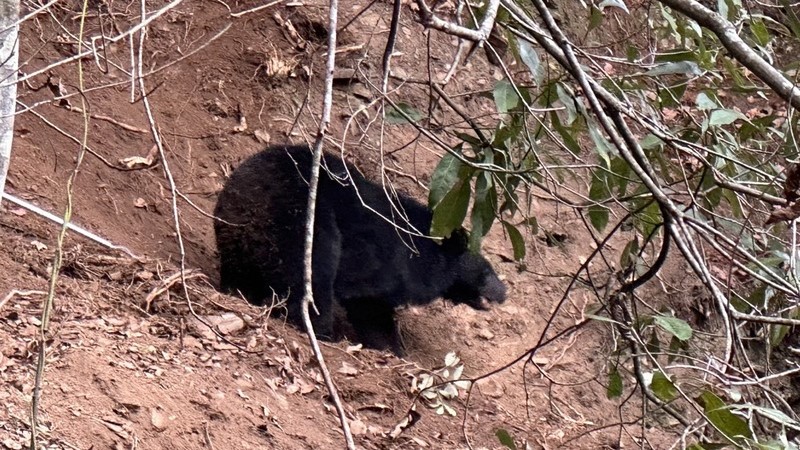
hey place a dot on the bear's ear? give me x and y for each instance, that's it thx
(457, 242)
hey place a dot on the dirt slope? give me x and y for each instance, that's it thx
(130, 367)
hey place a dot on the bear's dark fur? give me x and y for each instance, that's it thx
(360, 260)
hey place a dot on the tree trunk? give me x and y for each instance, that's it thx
(9, 58)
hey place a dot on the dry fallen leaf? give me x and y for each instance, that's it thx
(353, 348)
(784, 214)
(348, 369)
(262, 136)
(407, 422)
(116, 427)
(11, 444)
(140, 162)
(136, 162)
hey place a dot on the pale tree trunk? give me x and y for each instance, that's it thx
(9, 58)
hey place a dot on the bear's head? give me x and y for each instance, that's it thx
(475, 282)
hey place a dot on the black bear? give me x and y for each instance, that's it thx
(364, 258)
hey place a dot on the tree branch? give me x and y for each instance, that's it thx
(308, 298)
(739, 50)
(429, 19)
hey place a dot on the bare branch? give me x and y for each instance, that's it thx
(308, 298)
(739, 50)
(429, 19)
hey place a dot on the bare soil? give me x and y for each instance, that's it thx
(131, 367)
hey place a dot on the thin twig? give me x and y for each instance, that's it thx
(54, 218)
(47, 308)
(257, 8)
(109, 119)
(171, 180)
(20, 293)
(308, 298)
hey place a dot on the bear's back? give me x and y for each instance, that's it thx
(265, 201)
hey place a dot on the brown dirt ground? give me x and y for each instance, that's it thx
(128, 369)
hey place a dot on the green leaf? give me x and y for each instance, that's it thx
(598, 214)
(566, 135)
(759, 30)
(676, 348)
(722, 117)
(403, 113)
(675, 68)
(483, 209)
(662, 387)
(651, 142)
(794, 23)
(671, 97)
(444, 177)
(674, 326)
(568, 101)
(505, 97)
(505, 439)
(717, 412)
(601, 144)
(595, 18)
(704, 102)
(735, 72)
(517, 242)
(631, 53)
(776, 334)
(733, 201)
(620, 174)
(772, 414)
(646, 220)
(614, 389)
(653, 344)
(630, 253)
(677, 56)
(601, 319)
(530, 58)
(722, 7)
(449, 214)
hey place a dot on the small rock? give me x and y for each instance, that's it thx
(357, 427)
(261, 136)
(158, 420)
(228, 323)
(12, 444)
(144, 275)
